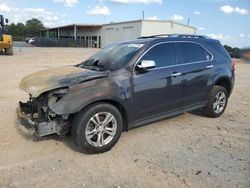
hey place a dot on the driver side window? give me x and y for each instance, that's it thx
(163, 55)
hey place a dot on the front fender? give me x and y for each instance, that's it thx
(83, 94)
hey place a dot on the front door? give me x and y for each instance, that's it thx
(157, 90)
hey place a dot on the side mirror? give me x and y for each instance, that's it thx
(6, 21)
(146, 64)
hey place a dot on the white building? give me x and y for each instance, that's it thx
(103, 35)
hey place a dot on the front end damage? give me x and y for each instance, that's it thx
(36, 116)
(46, 88)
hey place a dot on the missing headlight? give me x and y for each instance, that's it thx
(56, 95)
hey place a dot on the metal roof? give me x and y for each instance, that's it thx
(147, 20)
(114, 23)
(73, 25)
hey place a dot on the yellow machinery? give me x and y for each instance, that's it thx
(6, 43)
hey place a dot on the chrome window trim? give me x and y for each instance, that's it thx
(194, 62)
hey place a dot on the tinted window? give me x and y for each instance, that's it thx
(162, 54)
(192, 52)
(219, 48)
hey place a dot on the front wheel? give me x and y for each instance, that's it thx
(217, 102)
(97, 128)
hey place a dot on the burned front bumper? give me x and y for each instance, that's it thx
(25, 121)
(37, 123)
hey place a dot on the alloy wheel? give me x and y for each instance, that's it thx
(101, 129)
(219, 102)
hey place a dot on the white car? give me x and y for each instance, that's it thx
(31, 40)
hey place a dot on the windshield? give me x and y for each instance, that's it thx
(112, 57)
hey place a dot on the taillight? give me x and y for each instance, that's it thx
(233, 64)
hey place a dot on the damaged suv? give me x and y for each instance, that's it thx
(126, 85)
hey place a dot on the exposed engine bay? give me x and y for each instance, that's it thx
(38, 118)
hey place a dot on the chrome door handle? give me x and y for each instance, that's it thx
(176, 74)
(209, 66)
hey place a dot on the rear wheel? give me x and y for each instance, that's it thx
(9, 51)
(97, 128)
(217, 102)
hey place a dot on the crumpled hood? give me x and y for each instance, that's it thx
(54, 78)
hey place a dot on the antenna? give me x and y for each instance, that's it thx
(143, 15)
(188, 21)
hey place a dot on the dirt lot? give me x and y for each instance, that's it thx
(185, 151)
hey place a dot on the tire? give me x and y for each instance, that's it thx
(212, 110)
(9, 51)
(83, 124)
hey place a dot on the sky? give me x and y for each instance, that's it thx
(226, 20)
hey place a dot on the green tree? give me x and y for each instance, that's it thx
(18, 29)
(34, 26)
(236, 52)
(228, 48)
(233, 52)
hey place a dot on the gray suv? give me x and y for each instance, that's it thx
(126, 85)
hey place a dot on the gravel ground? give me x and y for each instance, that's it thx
(188, 150)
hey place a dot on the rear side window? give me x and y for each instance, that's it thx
(192, 52)
(219, 48)
(162, 54)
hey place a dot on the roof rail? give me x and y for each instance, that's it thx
(175, 36)
(189, 36)
(155, 36)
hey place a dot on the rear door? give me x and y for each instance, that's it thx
(196, 65)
